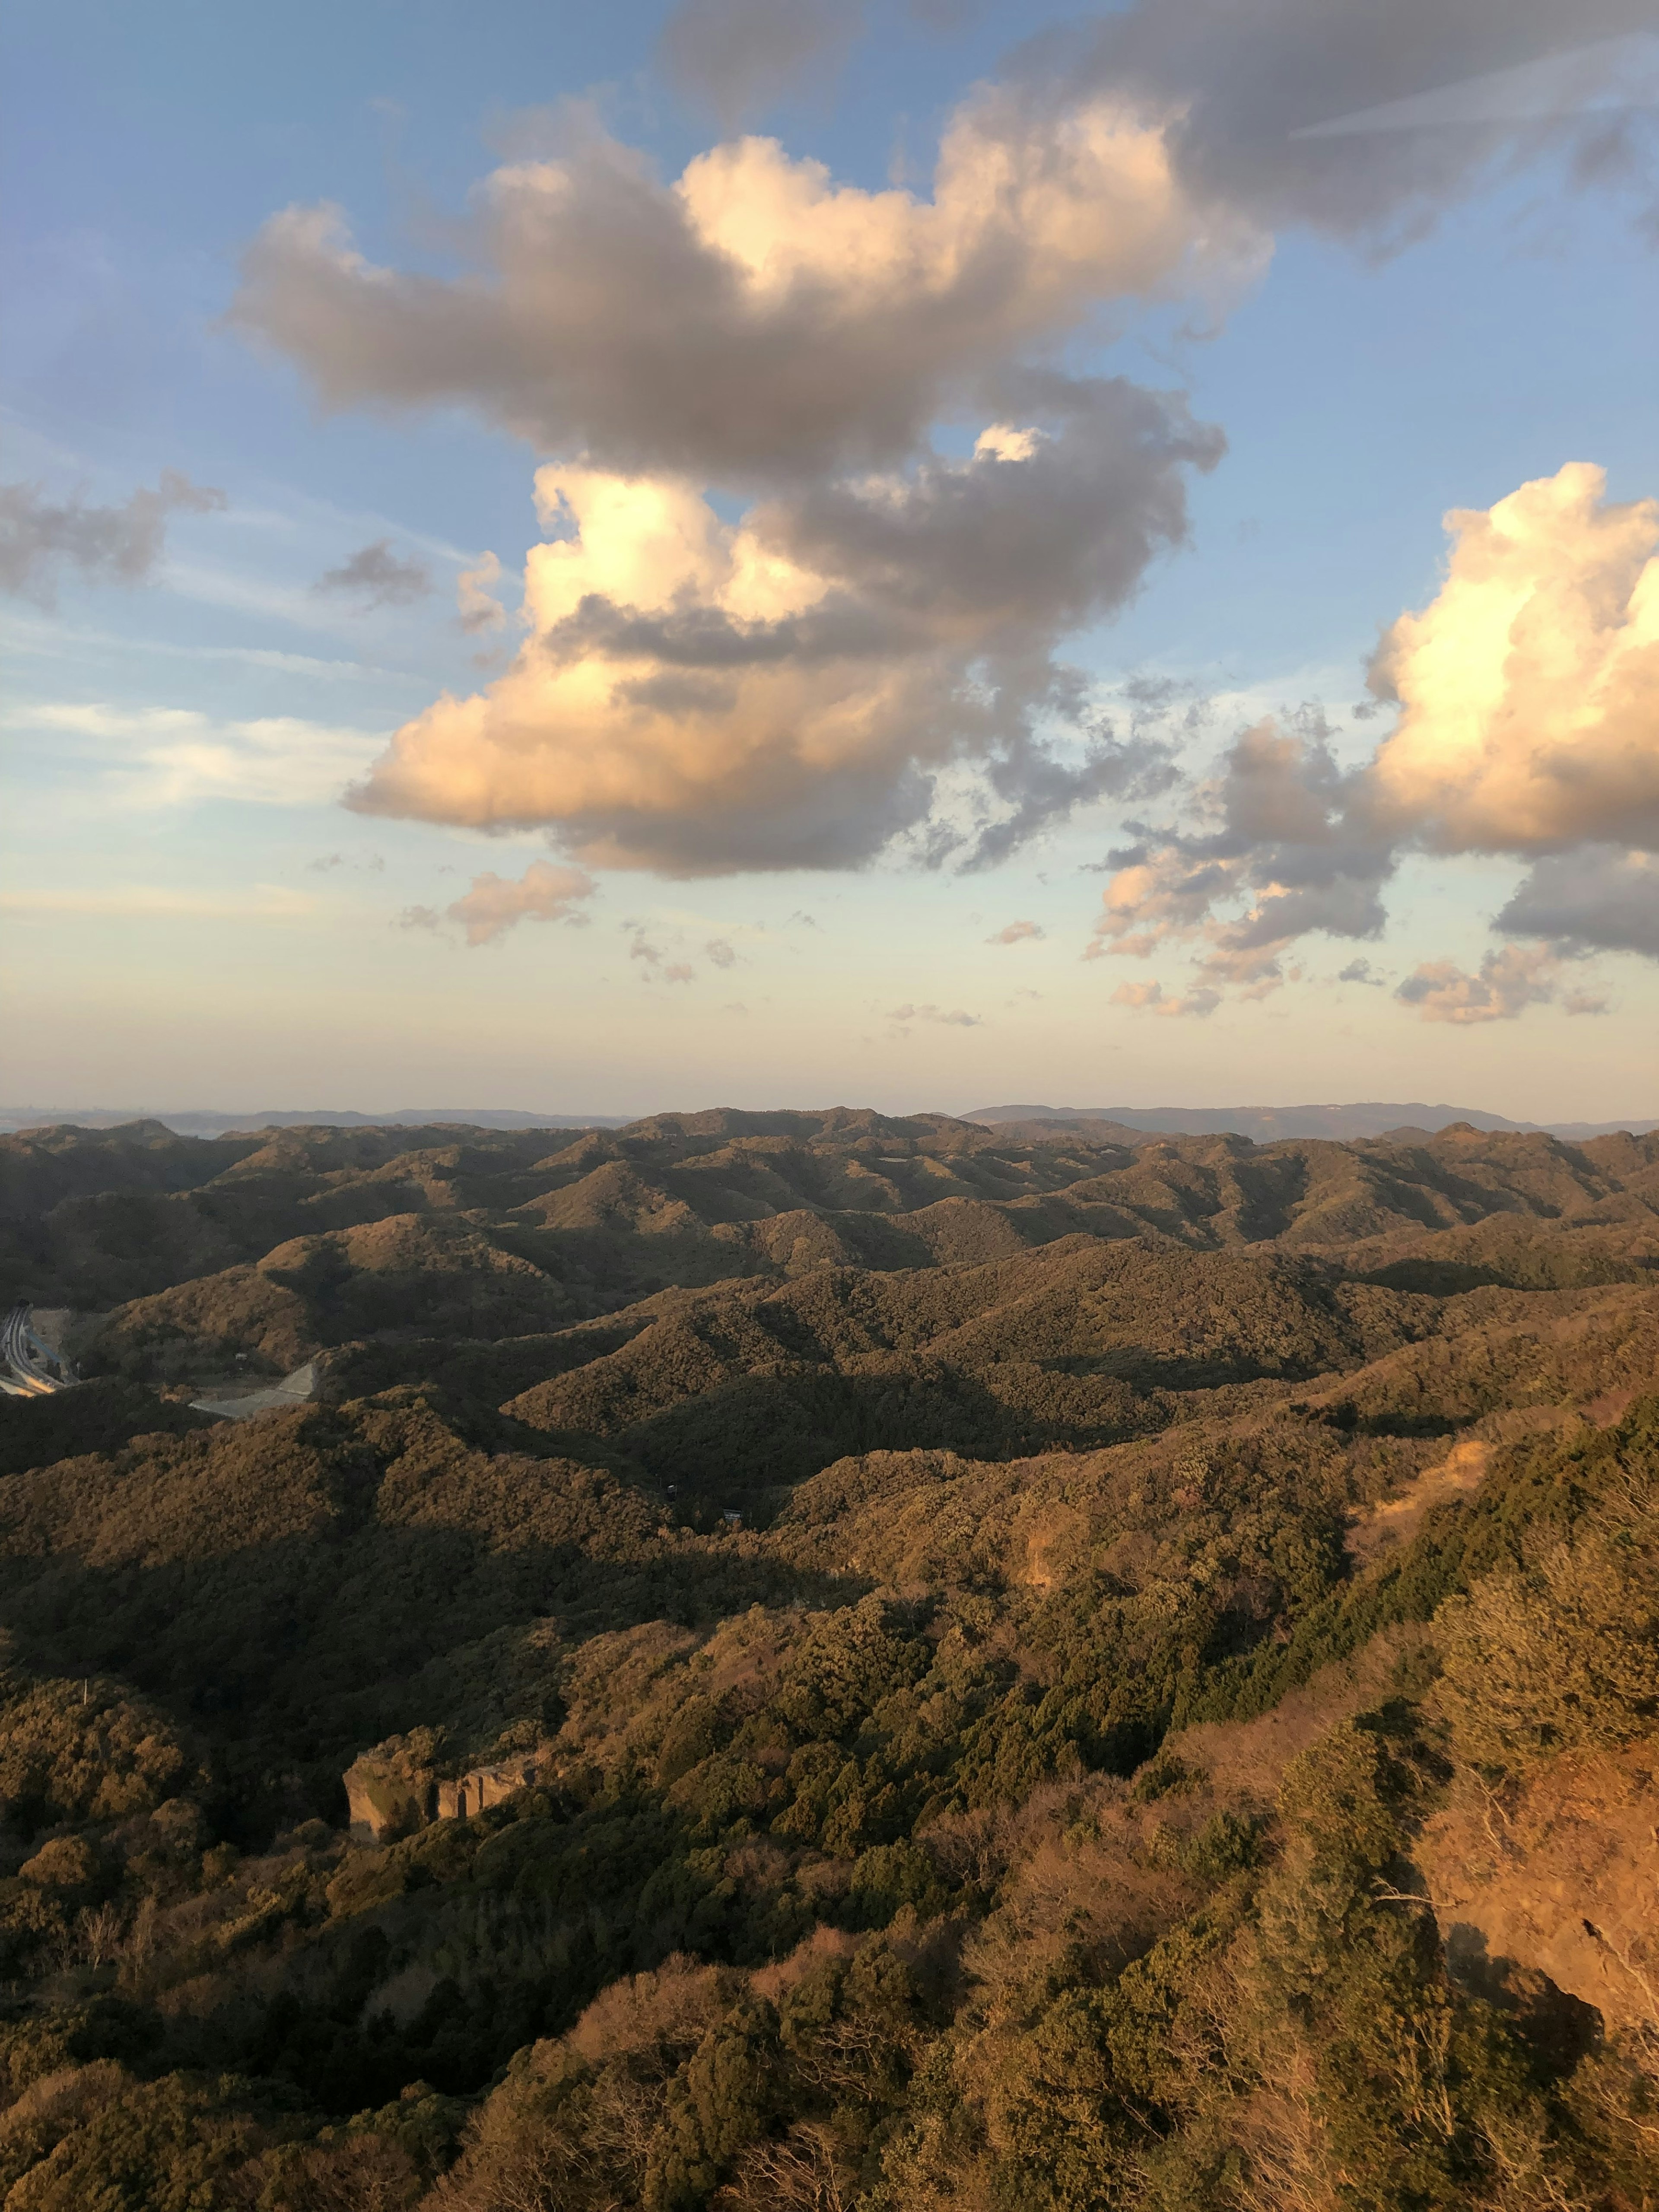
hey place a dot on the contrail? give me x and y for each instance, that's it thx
(1610, 76)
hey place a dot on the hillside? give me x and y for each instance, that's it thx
(826, 1661)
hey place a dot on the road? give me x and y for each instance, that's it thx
(29, 1368)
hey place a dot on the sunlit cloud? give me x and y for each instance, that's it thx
(495, 904)
(1528, 699)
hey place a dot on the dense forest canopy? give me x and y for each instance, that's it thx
(825, 1661)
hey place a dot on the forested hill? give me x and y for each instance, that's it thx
(880, 1663)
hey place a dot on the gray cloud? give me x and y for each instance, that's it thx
(953, 1017)
(375, 577)
(1281, 826)
(1361, 119)
(39, 537)
(735, 58)
(1598, 898)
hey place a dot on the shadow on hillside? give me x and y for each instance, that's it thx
(287, 1658)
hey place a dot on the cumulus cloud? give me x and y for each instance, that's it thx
(495, 904)
(1528, 694)
(1017, 933)
(880, 630)
(1529, 689)
(1366, 121)
(375, 577)
(753, 321)
(720, 952)
(736, 57)
(476, 606)
(698, 696)
(39, 537)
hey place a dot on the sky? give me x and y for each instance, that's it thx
(772, 553)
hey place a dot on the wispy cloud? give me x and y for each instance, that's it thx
(157, 902)
(163, 757)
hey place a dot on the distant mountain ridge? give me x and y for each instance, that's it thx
(193, 1122)
(1263, 1125)
(1266, 1125)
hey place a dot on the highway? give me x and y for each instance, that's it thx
(29, 1368)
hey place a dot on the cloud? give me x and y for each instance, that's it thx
(1508, 982)
(678, 971)
(1150, 998)
(698, 696)
(1529, 689)
(108, 544)
(495, 904)
(1598, 898)
(164, 903)
(720, 952)
(1017, 933)
(477, 608)
(1364, 121)
(1360, 971)
(371, 865)
(736, 57)
(1527, 692)
(375, 577)
(954, 1019)
(177, 756)
(868, 658)
(754, 322)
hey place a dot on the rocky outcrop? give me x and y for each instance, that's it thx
(397, 1788)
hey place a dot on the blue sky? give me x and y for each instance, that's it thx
(191, 917)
